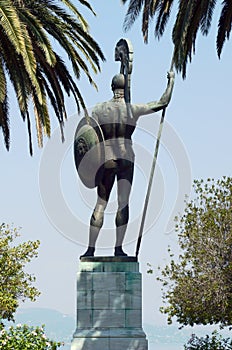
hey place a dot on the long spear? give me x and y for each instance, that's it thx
(151, 175)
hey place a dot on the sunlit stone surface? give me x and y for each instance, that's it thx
(109, 305)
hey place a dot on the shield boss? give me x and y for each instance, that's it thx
(89, 152)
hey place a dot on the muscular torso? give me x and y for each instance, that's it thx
(117, 129)
(114, 120)
(118, 124)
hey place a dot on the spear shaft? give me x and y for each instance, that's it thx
(151, 176)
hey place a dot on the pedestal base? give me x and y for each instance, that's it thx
(109, 305)
(109, 343)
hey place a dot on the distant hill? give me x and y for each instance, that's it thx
(57, 326)
(61, 327)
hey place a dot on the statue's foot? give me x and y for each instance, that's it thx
(89, 252)
(119, 252)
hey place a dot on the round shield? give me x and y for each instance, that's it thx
(89, 151)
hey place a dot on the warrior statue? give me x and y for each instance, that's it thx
(117, 125)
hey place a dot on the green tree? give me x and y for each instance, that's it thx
(24, 337)
(215, 342)
(197, 287)
(15, 283)
(31, 33)
(191, 17)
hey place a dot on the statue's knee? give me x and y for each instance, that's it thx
(97, 219)
(122, 216)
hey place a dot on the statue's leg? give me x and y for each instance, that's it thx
(97, 218)
(124, 182)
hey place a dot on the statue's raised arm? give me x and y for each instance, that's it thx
(166, 97)
(155, 106)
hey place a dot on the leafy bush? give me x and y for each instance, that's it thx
(215, 342)
(15, 283)
(23, 337)
(197, 284)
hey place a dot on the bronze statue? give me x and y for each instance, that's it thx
(117, 121)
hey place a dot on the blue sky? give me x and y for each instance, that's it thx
(196, 143)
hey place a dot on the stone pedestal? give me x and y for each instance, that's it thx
(109, 305)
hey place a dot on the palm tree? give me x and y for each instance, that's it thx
(192, 15)
(31, 62)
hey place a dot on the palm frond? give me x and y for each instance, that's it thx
(207, 9)
(179, 33)
(133, 12)
(192, 15)
(11, 25)
(29, 58)
(73, 31)
(145, 21)
(61, 114)
(154, 4)
(64, 23)
(163, 16)
(74, 10)
(91, 47)
(29, 133)
(88, 54)
(19, 78)
(224, 25)
(68, 83)
(3, 86)
(4, 122)
(42, 118)
(30, 61)
(185, 32)
(78, 62)
(56, 88)
(149, 9)
(39, 128)
(38, 34)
